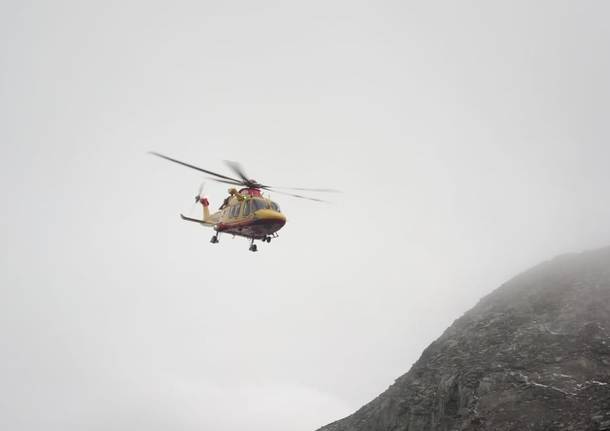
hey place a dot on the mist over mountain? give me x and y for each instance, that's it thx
(532, 355)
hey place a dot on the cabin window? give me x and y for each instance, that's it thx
(247, 207)
(275, 206)
(235, 210)
(258, 204)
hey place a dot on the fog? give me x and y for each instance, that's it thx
(469, 139)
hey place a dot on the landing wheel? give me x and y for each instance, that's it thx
(267, 238)
(214, 239)
(253, 247)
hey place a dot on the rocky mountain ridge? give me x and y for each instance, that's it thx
(532, 355)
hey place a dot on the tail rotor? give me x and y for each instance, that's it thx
(198, 197)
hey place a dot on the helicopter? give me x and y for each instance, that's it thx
(245, 212)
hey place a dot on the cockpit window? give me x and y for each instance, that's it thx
(275, 206)
(247, 207)
(258, 204)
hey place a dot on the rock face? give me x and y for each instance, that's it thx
(532, 355)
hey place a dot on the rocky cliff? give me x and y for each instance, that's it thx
(532, 355)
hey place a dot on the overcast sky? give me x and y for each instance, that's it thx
(470, 140)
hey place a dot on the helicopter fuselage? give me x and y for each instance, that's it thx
(246, 213)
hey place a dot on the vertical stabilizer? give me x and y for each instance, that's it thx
(206, 209)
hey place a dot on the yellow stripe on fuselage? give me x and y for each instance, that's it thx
(270, 215)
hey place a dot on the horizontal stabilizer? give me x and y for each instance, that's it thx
(205, 223)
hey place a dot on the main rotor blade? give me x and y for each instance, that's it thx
(296, 196)
(239, 171)
(193, 166)
(234, 183)
(305, 190)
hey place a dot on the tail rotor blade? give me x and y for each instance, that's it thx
(199, 193)
(198, 197)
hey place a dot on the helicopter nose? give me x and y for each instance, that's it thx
(270, 216)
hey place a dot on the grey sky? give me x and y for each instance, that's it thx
(470, 139)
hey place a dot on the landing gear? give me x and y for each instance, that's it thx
(267, 239)
(214, 239)
(253, 246)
